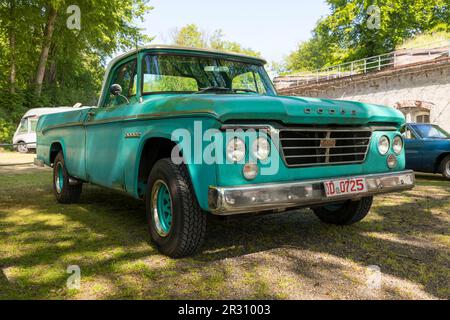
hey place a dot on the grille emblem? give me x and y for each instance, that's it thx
(327, 143)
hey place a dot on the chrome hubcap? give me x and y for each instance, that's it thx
(162, 208)
(447, 168)
(59, 178)
(22, 148)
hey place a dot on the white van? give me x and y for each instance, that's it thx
(24, 138)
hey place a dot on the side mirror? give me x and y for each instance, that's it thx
(115, 89)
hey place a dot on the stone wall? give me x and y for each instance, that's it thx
(416, 89)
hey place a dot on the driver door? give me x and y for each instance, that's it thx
(104, 128)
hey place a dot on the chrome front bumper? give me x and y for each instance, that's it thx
(262, 197)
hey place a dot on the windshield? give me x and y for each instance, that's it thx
(23, 126)
(431, 131)
(33, 124)
(195, 74)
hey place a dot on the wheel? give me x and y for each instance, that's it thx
(63, 190)
(346, 213)
(177, 224)
(22, 147)
(445, 167)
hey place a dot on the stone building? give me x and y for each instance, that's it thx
(420, 89)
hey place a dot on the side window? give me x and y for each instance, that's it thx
(126, 77)
(250, 81)
(407, 133)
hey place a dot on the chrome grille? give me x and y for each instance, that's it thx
(312, 147)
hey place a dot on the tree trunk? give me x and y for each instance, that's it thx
(50, 75)
(12, 45)
(49, 28)
(12, 74)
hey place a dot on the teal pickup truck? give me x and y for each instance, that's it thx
(195, 132)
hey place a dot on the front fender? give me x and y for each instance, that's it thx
(202, 175)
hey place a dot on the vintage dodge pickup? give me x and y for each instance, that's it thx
(195, 131)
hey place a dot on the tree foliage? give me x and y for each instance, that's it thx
(349, 32)
(64, 66)
(191, 36)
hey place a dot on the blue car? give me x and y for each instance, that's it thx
(427, 148)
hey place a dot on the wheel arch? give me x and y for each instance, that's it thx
(439, 159)
(152, 150)
(201, 175)
(55, 148)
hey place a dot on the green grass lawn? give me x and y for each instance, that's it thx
(285, 256)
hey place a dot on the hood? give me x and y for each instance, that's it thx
(289, 110)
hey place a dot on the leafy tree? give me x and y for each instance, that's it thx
(191, 36)
(44, 63)
(350, 31)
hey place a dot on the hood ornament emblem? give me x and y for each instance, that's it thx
(330, 111)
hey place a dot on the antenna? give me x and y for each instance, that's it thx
(136, 41)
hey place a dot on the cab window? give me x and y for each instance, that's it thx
(126, 77)
(407, 133)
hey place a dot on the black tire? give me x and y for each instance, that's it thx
(188, 224)
(444, 168)
(22, 147)
(65, 193)
(348, 213)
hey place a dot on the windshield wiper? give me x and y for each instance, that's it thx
(213, 89)
(245, 90)
(223, 89)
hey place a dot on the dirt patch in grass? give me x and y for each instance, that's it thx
(400, 251)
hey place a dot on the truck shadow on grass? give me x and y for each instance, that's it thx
(106, 235)
(406, 241)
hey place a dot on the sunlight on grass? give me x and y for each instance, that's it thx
(280, 256)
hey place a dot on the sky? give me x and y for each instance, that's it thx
(272, 27)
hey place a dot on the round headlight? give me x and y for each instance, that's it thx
(392, 161)
(236, 150)
(397, 144)
(261, 148)
(383, 145)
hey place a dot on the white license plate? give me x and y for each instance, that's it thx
(341, 187)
